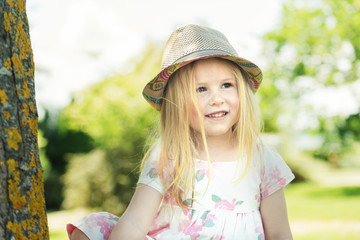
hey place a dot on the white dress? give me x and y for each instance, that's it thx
(228, 209)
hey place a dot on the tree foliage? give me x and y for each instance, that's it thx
(54, 146)
(116, 117)
(315, 47)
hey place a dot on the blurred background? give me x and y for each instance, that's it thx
(94, 57)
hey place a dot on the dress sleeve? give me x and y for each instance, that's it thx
(275, 173)
(149, 174)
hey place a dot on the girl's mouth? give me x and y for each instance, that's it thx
(216, 115)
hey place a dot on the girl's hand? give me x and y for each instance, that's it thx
(137, 219)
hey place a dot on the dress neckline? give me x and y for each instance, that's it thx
(215, 162)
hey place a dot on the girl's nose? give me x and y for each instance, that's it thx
(216, 99)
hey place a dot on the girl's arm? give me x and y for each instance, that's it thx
(274, 217)
(137, 219)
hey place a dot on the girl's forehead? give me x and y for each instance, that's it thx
(213, 68)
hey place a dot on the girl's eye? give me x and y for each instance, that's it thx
(227, 85)
(200, 89)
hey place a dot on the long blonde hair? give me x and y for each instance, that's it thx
(178, 142)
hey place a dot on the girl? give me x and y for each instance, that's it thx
(208, 176)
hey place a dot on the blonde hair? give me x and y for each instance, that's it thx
(178, 142)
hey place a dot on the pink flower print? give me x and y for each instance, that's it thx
(258, 197)
(217, 237)
(167, 199)
(193, 231)
(158, 229)
(208, 219)
(183, 225)
(200, 174)
(271, 182)
(188, 212)
(203, 170)
(225, 204)
(105, 226)
(275, 174)
(282, 181)
(190, 229)
(260, 230)
(157, 226)
(153, 172)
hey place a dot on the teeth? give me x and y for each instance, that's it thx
(217, 114)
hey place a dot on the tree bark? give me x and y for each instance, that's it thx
(22, 203)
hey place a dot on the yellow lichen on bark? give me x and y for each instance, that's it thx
(8, 18)
(7, 64)
(28, 224)
(31, 107)
(15, 196)
(11, 3)
(18, 66)
(20, 6)
(22, 39)
(33, 197)
(16, 229)
(7, 115)
(32, 161)
(3, 96)
(26, 90)
(13, 138)
(37, 235)
(30, 72)
(33, 125)
(25, 110)
(23, 122)
(37, 202)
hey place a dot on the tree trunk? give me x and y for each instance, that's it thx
(22, 203)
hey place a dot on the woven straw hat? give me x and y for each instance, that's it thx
(190, 43)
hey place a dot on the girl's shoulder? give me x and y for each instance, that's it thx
(268, 157)
(153, 153)
(269, 153)
(265, 152)
(271, 161)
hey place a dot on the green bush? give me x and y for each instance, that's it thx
(114, 114)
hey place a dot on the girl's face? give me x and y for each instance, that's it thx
(216, 89)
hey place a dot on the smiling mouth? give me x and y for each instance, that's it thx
(216, 115)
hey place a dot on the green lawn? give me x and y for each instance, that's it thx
(315, 212)
(58, 235)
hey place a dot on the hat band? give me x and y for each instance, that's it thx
(203, 53)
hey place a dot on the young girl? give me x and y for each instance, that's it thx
(208, 176)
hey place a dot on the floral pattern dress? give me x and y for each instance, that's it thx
(223, 209)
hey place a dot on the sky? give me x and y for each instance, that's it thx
(80, 42)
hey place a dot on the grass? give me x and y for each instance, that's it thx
(307, 201)
(58, 235)
(318, 212)
(329, 235)
(315, 212)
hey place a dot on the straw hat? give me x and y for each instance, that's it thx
(190, 43)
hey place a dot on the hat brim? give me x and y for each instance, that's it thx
(154, 90)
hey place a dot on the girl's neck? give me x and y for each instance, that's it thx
(220, 149)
